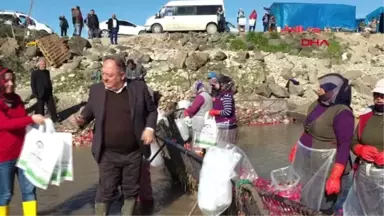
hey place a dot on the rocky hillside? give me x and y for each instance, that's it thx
(259, 63)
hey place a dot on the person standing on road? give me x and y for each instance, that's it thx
(13, 121)
(113, 27)
(41, 86)
(63, 26)
(93, 25)
(125, 119)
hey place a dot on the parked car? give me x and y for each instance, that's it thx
(126, 28)
(8, 16)
(186, 15)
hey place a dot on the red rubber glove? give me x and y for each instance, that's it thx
(379, 159)
(366, 152)
(333, 184)
(214, 112)
(292, 155)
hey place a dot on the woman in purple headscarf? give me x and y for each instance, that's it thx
(322, 157)
(200, 106)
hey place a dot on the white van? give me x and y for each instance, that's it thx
(186, 15)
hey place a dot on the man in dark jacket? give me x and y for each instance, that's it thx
(42, 89)
(113, 27)
(63, 26)
(93, 25)
(125, 119)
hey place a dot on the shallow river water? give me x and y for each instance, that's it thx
(266, 146)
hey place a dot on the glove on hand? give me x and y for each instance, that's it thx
(379, 159)
(214, 112)
(366, 152)
(333, 184)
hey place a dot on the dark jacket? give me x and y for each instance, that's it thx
(63, 23)
(41, 84)
(93, 21)
(143, 110)
(110, 24)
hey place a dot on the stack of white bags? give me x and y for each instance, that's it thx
(46, 156)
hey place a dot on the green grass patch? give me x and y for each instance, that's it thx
(238, 44)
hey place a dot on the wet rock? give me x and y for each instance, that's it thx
(220, 56)
(77, 45)
(196, 60)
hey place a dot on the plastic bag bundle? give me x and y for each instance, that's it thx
(183, 129)
(215, 187)
(46, 156)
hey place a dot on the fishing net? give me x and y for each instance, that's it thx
(252, 194)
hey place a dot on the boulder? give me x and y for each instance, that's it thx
(196, 60)
(77, 45)
(31, 52)
(278, 91)
(220, 56)
(179, 60)
(242, 56)
(9, 47)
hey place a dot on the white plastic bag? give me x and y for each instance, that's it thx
(252, 22)
(215, 187)
(40, 153)
(208, 135)
(183, 129)
(158, 160)
(67, 157)
(242, 21)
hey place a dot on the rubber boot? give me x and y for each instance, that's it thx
(3, 210)
(101, 209)
(128, 207)
(30, 208)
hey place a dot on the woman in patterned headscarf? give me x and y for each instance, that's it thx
(200, 106)
(224, 111)
(328, 132)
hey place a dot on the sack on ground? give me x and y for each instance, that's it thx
(208, 135)
(40, 153)
(215, 187)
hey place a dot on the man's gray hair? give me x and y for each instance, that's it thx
(119, 61)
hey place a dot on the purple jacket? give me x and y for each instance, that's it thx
(226, 104)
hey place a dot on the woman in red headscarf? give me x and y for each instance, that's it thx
(13, 121)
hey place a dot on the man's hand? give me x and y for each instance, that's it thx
(148, 136)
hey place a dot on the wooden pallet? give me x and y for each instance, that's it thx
(54, 50)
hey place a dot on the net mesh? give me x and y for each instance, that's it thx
(247, 200)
